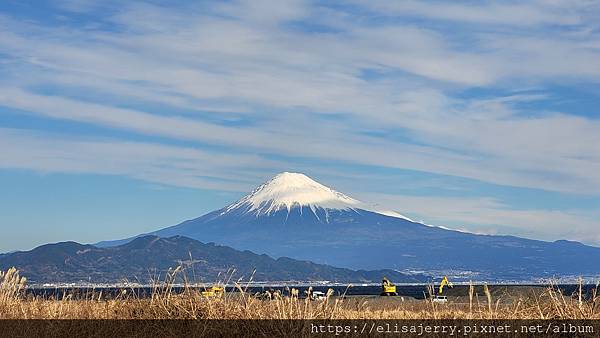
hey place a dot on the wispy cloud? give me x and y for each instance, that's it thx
(511, 13)
(171, 165)
(439, 87)
(463, 146)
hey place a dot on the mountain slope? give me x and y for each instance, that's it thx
(149, 256)
(292, 215)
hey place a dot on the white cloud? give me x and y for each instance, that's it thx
(555, 153)
(171, 165)
(520, 13)
(191, 167)
(348, 88)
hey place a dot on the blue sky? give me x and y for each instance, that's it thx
(118, 118)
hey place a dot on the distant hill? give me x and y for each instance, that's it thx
(149, 256)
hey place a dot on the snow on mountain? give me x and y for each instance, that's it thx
(289, 190)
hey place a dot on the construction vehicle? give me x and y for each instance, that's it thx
(439, 298)
(214, 291)
(388, 288)
(443, 283)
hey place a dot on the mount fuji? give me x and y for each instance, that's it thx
(292, 215)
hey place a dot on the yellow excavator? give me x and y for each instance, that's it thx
(445, 282)
(439, 298)
(388, 288)
(214, 291)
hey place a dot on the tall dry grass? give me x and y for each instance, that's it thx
(11, 287)
(164, 303)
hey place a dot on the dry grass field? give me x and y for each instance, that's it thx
(191, 304)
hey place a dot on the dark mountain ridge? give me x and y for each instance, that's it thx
(149, 257)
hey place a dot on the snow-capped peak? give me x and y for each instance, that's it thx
(288, 190)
